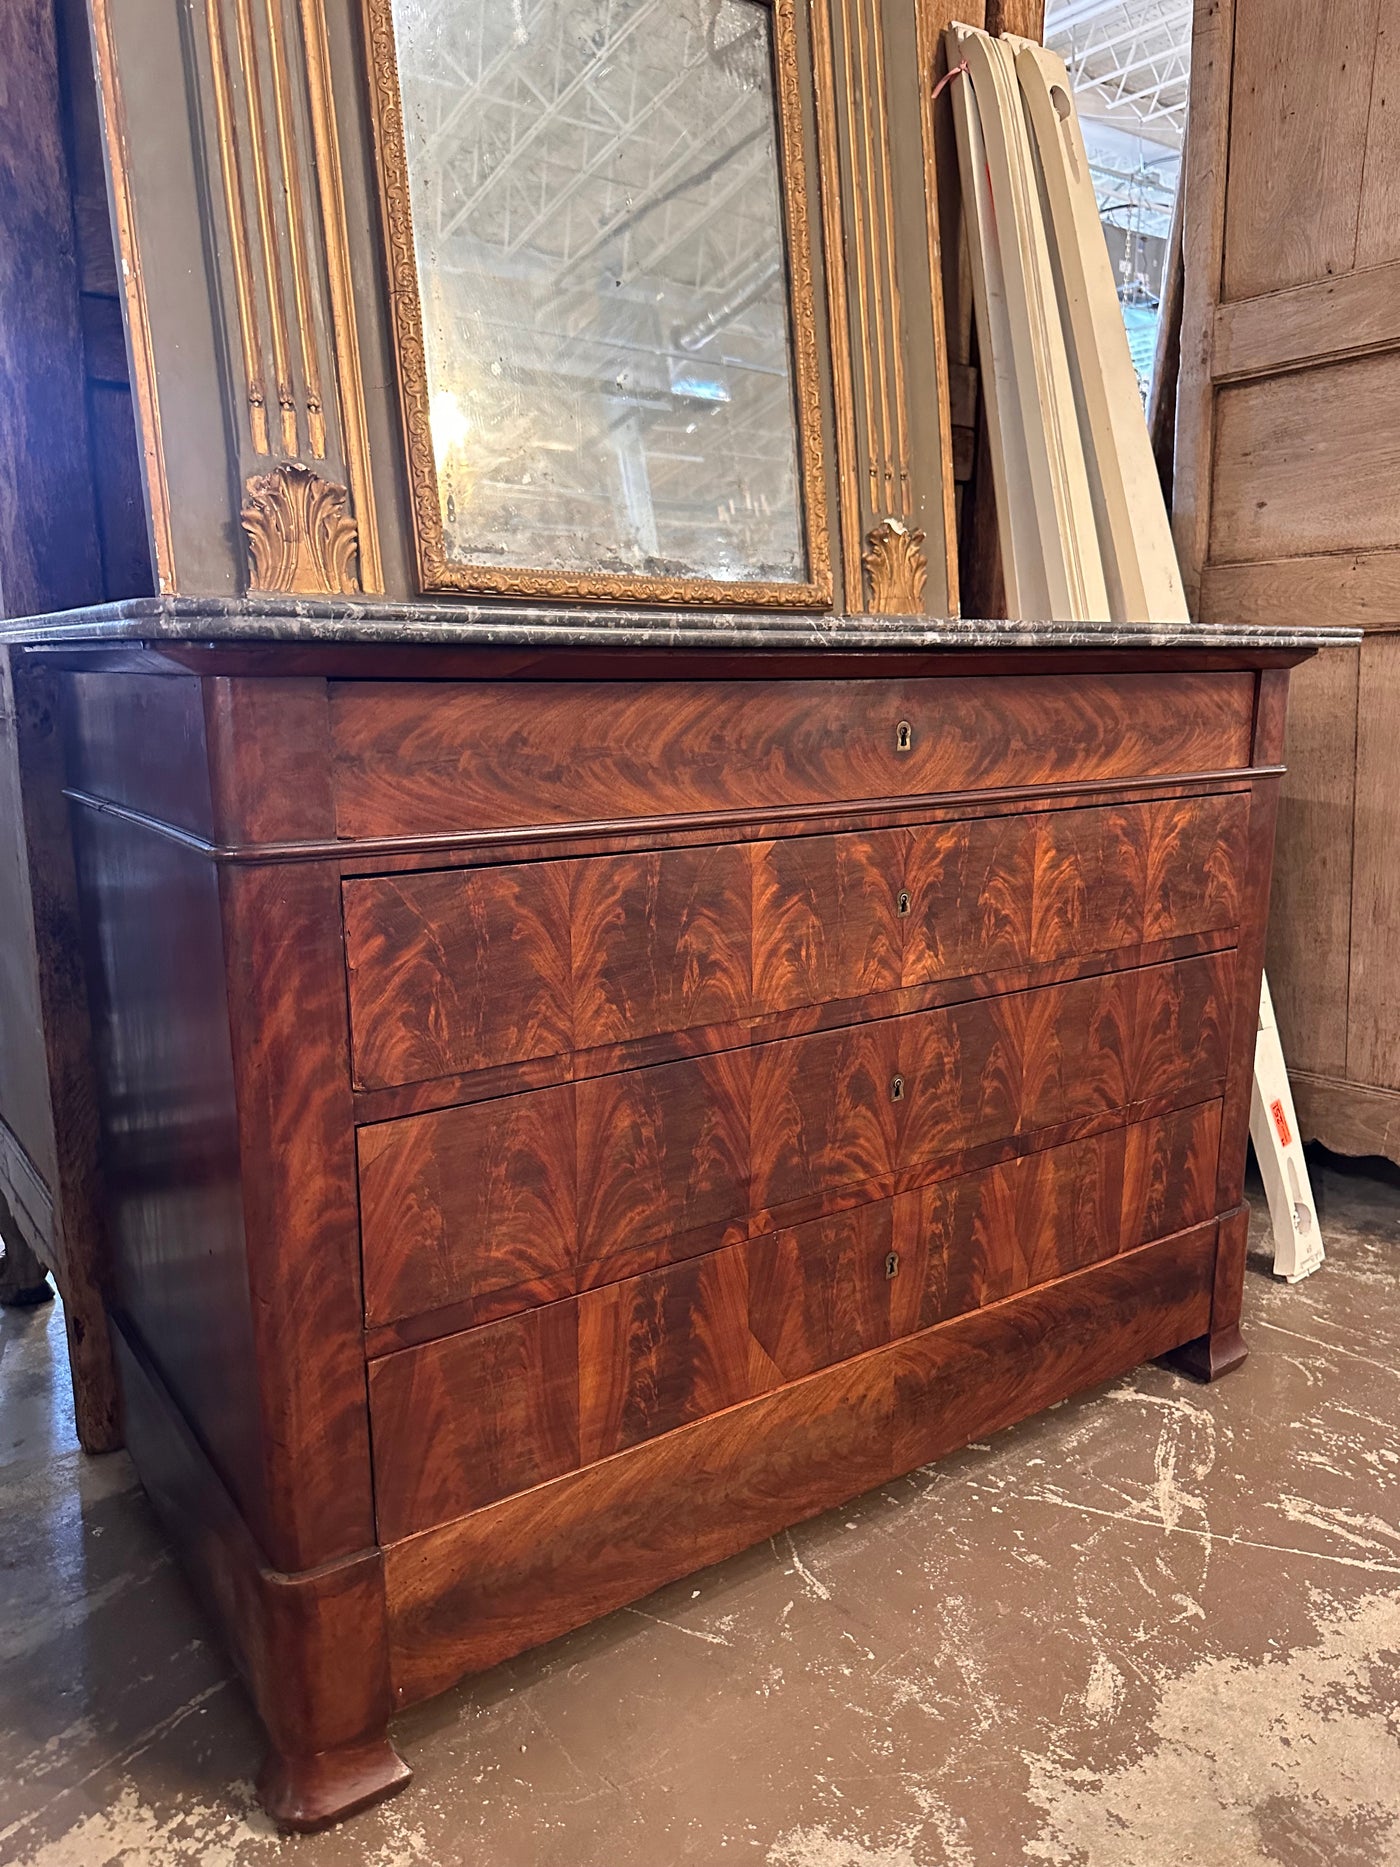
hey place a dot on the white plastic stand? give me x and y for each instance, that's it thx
(1273, 1128)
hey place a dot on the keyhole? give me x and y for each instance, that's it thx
(897, 1089)
(902, 901)
(892, 1264)
(904, 737)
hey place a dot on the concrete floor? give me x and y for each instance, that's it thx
(1160, 1624)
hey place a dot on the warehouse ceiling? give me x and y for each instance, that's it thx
(1130, 61)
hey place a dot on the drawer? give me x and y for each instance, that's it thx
(460, 1422)
(463, 970)
(417, 759)
(510, 1202)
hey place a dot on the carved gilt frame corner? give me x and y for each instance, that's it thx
(436, 572)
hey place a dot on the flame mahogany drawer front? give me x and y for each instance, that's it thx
(502, 1204)
(413, 759)
(462, 1421)
(462, 970)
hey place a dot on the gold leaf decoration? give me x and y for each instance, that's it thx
(301, 537)
(897, 569)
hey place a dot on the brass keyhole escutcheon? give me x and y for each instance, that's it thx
(902, 901)
(892, 1264)
(897, 1089)
(904, 737)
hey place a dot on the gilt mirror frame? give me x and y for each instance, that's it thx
(436, 570)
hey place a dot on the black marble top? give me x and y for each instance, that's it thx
(524, 625)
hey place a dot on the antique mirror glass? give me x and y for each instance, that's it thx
(603, 282)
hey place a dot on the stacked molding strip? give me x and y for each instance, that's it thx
(1082, 524)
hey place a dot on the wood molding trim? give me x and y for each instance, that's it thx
(354, 429)
(837, 288)
(1354, 589)
(145, 394)
(1203, 250)
(1305, 324)
(301, 538)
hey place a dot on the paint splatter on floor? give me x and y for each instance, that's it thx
(1158, 1626)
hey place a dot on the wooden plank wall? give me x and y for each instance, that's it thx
(1287, 490)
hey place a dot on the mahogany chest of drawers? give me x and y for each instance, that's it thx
(568, 1116)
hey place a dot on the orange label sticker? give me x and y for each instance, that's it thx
(1281, 1123)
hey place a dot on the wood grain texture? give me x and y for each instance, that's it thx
(301, 1220)
(1247, 972)
(1373, 1012)
(416, 760)
(1289, 477)
(461, 1422)
(520, 1572)
(660, 942)
(1204, 175)
(1309, 951)
(972, 891)
(311, 1647)
(1346, 1117)
(459, 971)
(1305, 324)
(1378, 217)
(1298, 115)
(60, 1127)
(473, 1417)
(454, 972)
(1024, 18)
(826, 922)
(460, 1204)
(620, 1299)
(1353, 589)
(659, 1350)
(821, 1292)
(516, 1194)
(1292, 353)
(1113, 877)
(173, 1241)
(663, 1151)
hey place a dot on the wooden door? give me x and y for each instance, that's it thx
(1287, 491)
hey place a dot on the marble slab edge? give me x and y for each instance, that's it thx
(262, 619)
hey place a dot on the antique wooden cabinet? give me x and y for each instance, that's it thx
(581, 1094)
(619, 1057)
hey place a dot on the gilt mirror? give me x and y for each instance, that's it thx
(602, 297)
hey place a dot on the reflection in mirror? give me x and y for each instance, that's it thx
(597, 214)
